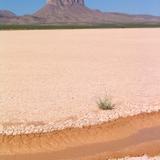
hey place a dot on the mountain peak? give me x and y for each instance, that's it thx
(6, 13)
(74, 12)
(65, 2)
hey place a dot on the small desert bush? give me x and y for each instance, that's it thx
(105, 103)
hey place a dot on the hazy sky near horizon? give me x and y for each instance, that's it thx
(21, 7)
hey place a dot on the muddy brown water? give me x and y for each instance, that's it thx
(143, 136)
(144, 141)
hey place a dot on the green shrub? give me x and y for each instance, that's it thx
(105, 103)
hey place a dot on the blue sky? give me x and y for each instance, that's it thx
(22, 7)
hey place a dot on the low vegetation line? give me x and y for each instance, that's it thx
(75, 26)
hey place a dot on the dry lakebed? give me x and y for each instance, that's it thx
(51, 80)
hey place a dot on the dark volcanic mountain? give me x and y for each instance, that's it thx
(74, 12)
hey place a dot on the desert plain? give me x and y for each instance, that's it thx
(51, 80)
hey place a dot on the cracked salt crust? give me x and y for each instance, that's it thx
(53, 76)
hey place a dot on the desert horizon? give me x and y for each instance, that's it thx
(76, 12)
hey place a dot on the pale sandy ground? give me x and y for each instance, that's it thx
(52, 79)
(140, 158)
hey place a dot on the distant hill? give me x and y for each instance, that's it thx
(5, 13)
(74, 12)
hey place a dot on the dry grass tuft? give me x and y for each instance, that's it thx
(105, 103)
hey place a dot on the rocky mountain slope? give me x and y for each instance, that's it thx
(73, 12)
(5, 13)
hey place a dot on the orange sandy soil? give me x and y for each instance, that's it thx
(131, 136)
